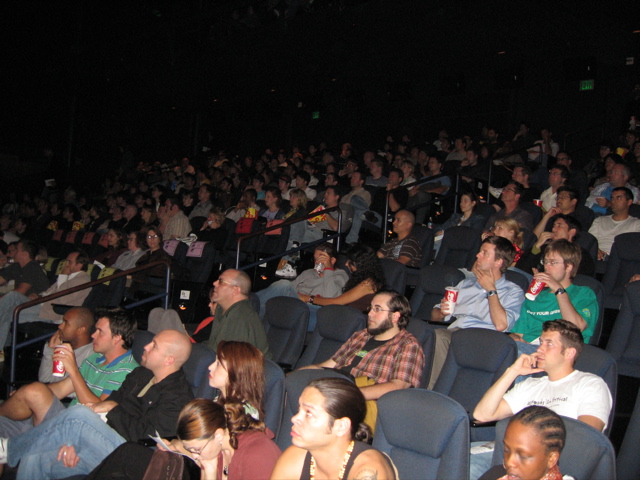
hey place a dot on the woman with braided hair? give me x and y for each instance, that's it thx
(533, 442)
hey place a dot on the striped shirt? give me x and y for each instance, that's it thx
(104, 379)
(409, 246)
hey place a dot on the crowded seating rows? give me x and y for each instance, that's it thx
(303, 329)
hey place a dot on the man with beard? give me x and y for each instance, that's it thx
(385, 353)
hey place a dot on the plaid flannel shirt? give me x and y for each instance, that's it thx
(401, 358)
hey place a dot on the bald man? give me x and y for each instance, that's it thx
(76, 328)
(405, 248)
(77, 440)
(234, 316)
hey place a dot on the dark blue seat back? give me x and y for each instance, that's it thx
(336, 324)
(432, 443)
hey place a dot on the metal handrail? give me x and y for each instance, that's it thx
(285, 224)
(16, 312)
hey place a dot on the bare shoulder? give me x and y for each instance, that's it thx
(289, 465)
(371, 465)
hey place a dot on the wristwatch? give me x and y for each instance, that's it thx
(560, 291)
(311, 299)
(491, 293)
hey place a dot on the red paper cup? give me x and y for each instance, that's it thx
(538, 202)
(534, 289)
(58, 369)
(451, 298)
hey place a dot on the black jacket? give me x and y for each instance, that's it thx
(134, 418)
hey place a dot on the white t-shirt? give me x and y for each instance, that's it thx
(548, 199)
(606, 228)
(575, 395)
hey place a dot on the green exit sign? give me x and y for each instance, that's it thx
(587, 85)
(315, 115)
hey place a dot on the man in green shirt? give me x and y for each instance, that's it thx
(559, 299)
(234, 317)
(100, 375)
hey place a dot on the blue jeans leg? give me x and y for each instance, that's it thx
(313, 319)
(7, 304)
(281, 288)
(479, 462)
(37, 450)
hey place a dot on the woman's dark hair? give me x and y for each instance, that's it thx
(155, 231)
(138, 239)
(367, 265)
(276, 193)
(546, 423)
(200, 418)
(245, 367)
(122, 238)
(71, 208)
(342, 399)
(473, 197)
(151, 209)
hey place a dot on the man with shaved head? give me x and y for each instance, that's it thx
(405, 248)
(76, 329)
(234, 316)
(77, 440)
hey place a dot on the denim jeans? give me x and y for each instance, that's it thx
(281, 288)
(37, 450)
(7, 304)
(479, 462)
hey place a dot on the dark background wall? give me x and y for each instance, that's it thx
(162, 75)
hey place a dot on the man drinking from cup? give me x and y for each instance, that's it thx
(555, 296)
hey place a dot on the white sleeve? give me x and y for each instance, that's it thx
(595, 398)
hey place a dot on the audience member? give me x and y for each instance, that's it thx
(486, 299)
(74, 273)
(606, 228)
(560, 297)
(147, 403)
(94, 380)
(234, 316)
(405, 248)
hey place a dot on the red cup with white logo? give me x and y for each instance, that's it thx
(451, 298)
(534, 289)
(58, 370)
(537, 202)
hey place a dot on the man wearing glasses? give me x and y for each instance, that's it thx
(234, 317)
(559, 299)
(384, 353)
(558, 176)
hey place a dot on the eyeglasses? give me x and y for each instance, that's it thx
(152, 236)
(377, 309)
(221, 280)
(552, 263)
(564, 197)
(509, 190)
(199, 451)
